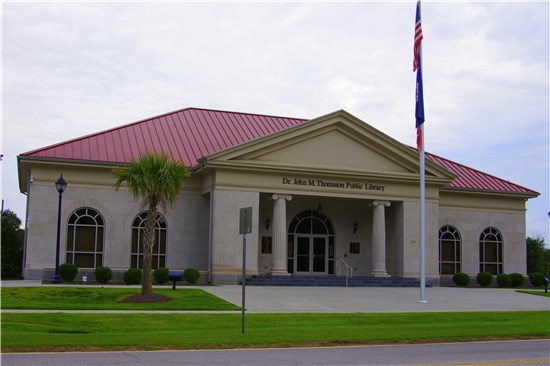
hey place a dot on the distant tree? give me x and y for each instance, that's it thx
(155, 179)
(546, 255)
(12, 245)
(535, 254)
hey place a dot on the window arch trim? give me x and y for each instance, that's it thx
(491, 251)
(450, 250)
(160, 248)
(85, 238)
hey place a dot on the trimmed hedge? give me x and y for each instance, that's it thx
(516, 279)
(191, 275)
(103, 274)
(504, 280)
(68, 271)
(536, 278)
(461, 279)
(484, 279)
(161, 275)
(133, 276)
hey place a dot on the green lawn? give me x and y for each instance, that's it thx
(95, 298)
(80, 332)
(535, 292)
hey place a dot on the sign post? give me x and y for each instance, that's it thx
(245, 227)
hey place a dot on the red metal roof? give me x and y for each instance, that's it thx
(469, 178)
(187, 135)
(192, 133)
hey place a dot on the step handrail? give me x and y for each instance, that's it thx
(349, 269)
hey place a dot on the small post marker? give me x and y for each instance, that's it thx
(245, 227)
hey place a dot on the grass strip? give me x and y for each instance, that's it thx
(97, 298)
(111, 332)
(534, 292)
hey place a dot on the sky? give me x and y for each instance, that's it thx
(72, 68)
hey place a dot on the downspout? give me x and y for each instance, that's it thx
(211, 232)
(28, 194)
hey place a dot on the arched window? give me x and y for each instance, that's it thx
(85, 238)
(449, 250)
(490, 251)
(159, 250)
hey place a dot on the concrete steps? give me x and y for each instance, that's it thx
(334, 281)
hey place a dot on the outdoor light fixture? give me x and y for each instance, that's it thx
(60, 186)
(320, 208)
(267, 223)
(355, 227)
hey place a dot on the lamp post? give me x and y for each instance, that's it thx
(60, 186)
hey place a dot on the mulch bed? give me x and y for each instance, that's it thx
(139, 298)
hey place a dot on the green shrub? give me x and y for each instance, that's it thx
(484, 279)
(191, 275)
(461, 279)
(133, 276)
(103, 274)
(161, 275)
(536, 278)
(504, 280)
(68, 271)
(516, 279)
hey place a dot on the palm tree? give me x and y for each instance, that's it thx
(155, 179)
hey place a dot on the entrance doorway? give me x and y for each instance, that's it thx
(311, 244)
(311, 254)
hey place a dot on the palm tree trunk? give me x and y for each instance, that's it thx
(149, 243)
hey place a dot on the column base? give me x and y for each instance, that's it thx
(380, 274)
(279, 272)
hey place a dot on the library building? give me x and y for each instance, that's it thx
(330, 197)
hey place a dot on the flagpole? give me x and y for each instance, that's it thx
(422, 195)
(422, 221)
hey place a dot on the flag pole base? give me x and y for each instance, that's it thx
(422, 301)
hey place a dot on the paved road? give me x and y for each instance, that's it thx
(535, 353)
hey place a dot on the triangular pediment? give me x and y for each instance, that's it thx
(334, 148)
(337, 142)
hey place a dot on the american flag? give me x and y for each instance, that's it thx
(417, 66)
(417, 37)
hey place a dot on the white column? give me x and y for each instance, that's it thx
(280, 236)
(379, 239)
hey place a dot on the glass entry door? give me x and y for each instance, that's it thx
(311, 254)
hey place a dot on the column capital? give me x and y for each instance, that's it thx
(381, 203)
(281, 196)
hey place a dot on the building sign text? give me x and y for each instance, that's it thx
(333, 184)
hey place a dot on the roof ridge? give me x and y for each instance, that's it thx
(245, 113)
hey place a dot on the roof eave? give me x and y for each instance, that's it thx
(525, 195)
(24, 161)
(56, 161)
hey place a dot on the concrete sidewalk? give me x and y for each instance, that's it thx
(261, 299)
(378, 299)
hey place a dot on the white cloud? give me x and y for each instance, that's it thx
(70, 69)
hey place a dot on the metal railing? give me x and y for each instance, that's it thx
(349, 269)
